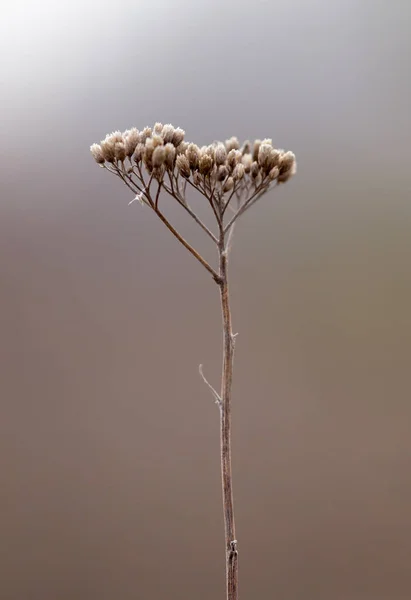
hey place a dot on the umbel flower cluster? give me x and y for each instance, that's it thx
(232, 177)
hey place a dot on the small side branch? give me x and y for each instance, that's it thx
(217, 397)
(190, 248)
(260, 191)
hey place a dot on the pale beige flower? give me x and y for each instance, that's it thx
(97, 153)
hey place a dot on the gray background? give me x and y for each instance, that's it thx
(109, 474)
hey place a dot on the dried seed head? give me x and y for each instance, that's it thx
(274, 159)
(193, 155)
(145, 134)
(120, 151)
(238, 172)
(228, 185)
(287, 167)
(246, 148)
(178, 136)
(131, 138)
(157, 140)
(256, 148)
(273, 174)
(170, 155)
(116, 136)
(264, 155)
(158, 128)
(167, 133)
(183, 165)
(220, 154)
(284, 177)
(197, 179)
(158, 172)
(247, 161)
(107, 149)
(268, 141)
(232, 144)
(97, 153)
(205, 164)
(182, 148)
(138, 152)
(233, 158)
(148, 154)
(159, 156)
(287, 159)
(254, 170)
(210, 150)
(222, 173)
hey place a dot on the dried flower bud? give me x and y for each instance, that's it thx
(232, 144)
(210, 150)
(256, 148)
(228, 185)
(116, 136)
(158, 128)
(220, 154)
(274, 173)
(167, 133)
(131, 138)
(267, 141)
(182, 148)
(159, 156)
(120, 151)
(197, 179)
(247, 161)
(288, 167)
(157, 140)
(222, 173)
(178, 136)
(287, 159)
(170, 155)
(193, 155)
(264, 155)
(254, 170)
(233, 158)
(205, 164)
(273, 160)
(158, 172)
(107, 149)
(145, 134)
(138, 152)
(284, 177)
(183, 165)
(238, 172)
(148, 154)
(246, 148)
(97, 153)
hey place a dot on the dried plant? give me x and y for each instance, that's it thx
(231, 179)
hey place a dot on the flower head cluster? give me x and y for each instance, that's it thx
(160, 159)
(163, 148)
(220, 171)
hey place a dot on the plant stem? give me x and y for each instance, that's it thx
(188, 246)
(225, 427)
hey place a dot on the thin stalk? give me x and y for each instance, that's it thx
(192, 250)
(225, 426)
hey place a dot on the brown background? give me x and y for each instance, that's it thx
(109, 440)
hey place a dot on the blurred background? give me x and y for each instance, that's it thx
(109, 474)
